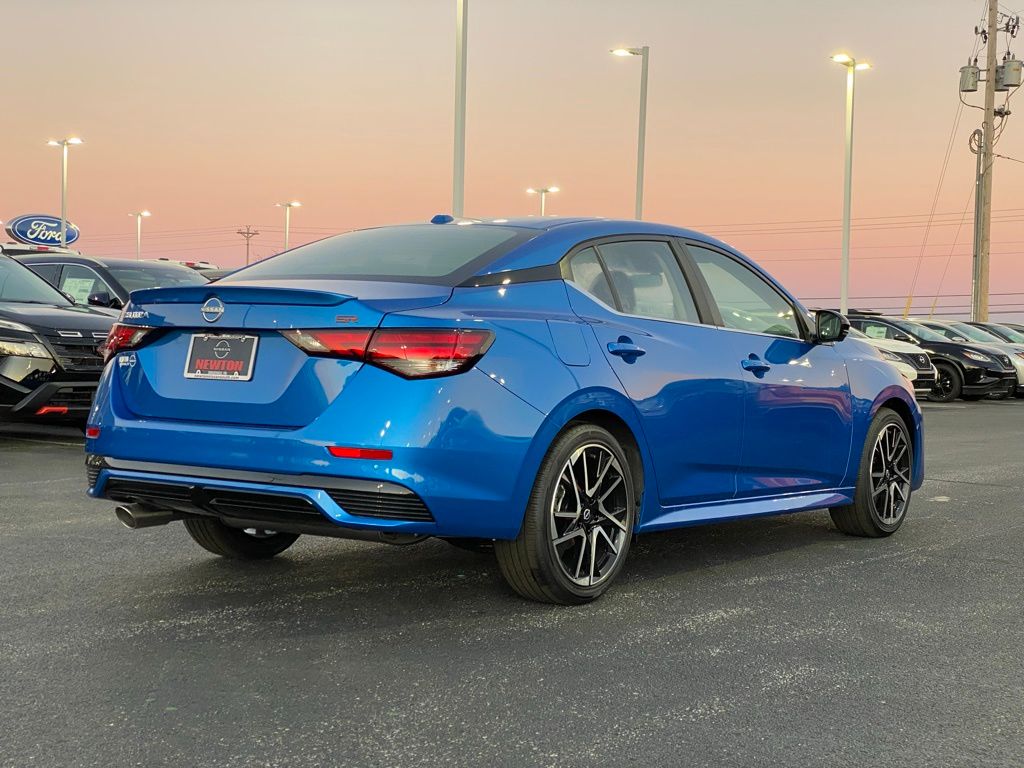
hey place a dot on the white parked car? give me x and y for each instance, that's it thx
(911, 360)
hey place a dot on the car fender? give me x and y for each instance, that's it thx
(583, 401)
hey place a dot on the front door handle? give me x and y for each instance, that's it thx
(755, 365)
(626, 349)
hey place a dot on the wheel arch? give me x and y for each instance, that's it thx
(906, 407)
(607, 409)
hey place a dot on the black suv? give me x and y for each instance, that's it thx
(965, 369)
(103, 282)
(49, 348)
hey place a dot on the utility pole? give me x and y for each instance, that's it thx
(983, 223)
(248, 233)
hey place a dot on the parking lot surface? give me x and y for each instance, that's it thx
(773, 641)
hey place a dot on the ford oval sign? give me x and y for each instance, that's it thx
(39, 229)
(212, 309)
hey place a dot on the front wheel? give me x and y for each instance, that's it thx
(578, 523)
(237, 543)
(882, 496)
(949, 384)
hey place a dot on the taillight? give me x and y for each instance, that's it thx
(408, 352)
(122, 337)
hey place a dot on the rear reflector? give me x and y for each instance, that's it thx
(408, 352)
(52, 410)
(123, 337)
(346, 452)
(92, 433)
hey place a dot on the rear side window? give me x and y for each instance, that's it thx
(436, 253)
(746, 301)
(586, 272)
(647, 281)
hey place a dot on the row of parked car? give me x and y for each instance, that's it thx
(949, 359)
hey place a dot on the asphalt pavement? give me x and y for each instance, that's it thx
(773, 641)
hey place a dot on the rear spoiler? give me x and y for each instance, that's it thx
(238, 294)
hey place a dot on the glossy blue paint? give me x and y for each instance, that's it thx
(725, 423)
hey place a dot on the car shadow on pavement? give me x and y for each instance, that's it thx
(329, 586)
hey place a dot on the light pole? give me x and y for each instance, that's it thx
(852, 67)
(543, 192)
(139, 216)
(288, 217)
(64, 144)
(459, 162)
(644, 53)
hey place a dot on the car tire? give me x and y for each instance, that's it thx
(949, 383)
(235, 543)
(882, 497)
(578, 523)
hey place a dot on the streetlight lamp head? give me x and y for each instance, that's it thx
(53, 143)
(531, 191)
(552, 189)
(842, 58)
(862, 65)
(73, 140)
(625, 51)
(147, 214)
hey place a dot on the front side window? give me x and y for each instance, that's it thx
(647, 281)
(746, 301)
(80, 282)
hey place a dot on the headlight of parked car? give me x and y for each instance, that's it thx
(977, 356)
(890, 356)
(10, 348)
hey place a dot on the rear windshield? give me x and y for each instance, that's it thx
(21, 284)
(434, 253)
(137, 277)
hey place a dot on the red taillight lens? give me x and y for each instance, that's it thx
(122, 337)
(91, 433)
(349, 343)
(421, 352)
(409, 352)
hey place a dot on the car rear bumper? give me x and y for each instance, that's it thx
(452, 472)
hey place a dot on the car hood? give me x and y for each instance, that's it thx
(43, 317)
(895, 346)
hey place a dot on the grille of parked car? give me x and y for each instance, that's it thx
(79, 352)
(922, 363)
(1005, 360)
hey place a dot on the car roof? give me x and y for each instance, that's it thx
(77, 258)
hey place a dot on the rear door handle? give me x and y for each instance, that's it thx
(626, 349)
(755, 365)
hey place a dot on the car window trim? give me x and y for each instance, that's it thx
(801, 322)
(703, 310)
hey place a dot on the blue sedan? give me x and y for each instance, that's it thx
(544, 387)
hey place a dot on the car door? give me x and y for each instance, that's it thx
(633, 294)
(797, 408)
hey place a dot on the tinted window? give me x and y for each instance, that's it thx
(746, 300)
(19, 283)
(48, 272)
(135, 277)
(412, 252)
(919, 331)
(79, 282)
(586, 272)
(876, 330)
(975, 334)
(1013, 335)
(647, 281)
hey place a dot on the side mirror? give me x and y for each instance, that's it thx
(98, 299)
(830, 326)
(904, 337)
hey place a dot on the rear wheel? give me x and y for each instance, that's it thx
(883, 489)
(949, 384)
(578, 523)
(236, 543)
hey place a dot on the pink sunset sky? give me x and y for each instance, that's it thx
(207, 113)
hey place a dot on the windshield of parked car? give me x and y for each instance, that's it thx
(438, 253)
(1012, 334)
(135, 277)
(918, 330)
(19, 283)
(976, 334)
